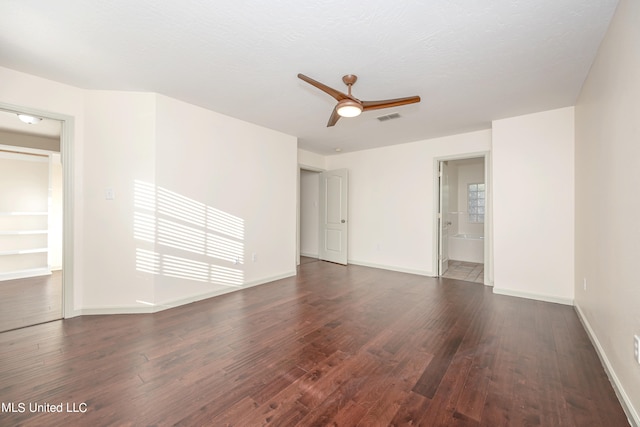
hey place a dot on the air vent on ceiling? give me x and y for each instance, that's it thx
(389, 117)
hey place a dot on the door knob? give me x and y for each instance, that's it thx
(343, 221)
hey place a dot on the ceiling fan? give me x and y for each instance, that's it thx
(350, 106)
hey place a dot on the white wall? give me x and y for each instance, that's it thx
(242, 171)
(123, 137)
(209, 162)
(391, 200)
(607, 201)
(312, 161)
(119, 148)
(453, 215)
(309, 213)
(533, 205)
(467, 172)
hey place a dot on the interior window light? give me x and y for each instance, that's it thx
(476, 203)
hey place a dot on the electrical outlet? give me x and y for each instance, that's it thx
(254, 257)
(636, 348)
(584, 283)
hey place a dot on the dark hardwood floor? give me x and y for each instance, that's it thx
(334, 346)
(26, 302)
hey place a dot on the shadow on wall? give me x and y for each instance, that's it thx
(182, 238)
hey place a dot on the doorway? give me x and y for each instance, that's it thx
(463, 216)
(322, 215)
(309, 216)
(33, 288)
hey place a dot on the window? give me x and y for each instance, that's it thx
(476, 203)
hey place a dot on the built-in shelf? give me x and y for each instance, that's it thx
(23, 213)
(23, 245)
(29, 213)
(25, 251)
(19, 232)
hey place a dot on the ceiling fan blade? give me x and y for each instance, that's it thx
(334, 117)
(376, 105)
(339, 96)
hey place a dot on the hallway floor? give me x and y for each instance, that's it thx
(462, 270)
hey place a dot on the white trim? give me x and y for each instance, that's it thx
(143, 309)
(23, 232)
(17, 149)
(310, 168)
(392, 268)
(631, 412)
(24, 251)
(268, 280)
(23, 274)
(155, 308)
(310, 255)
(298, 216)
(23, 155)
(528, 295)
(24, 213)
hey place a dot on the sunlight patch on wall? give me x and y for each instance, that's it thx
(183, 225)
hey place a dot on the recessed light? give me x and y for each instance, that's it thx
(32, 120)
(338, 150)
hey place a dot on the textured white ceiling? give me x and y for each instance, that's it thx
(470, 61)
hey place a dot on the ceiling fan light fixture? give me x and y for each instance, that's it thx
(348, 108)
(32, 120)
(348, 105)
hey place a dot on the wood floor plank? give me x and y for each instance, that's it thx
(334, 345)
(30, 301)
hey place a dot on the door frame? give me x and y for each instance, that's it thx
(301, 167)
(67, 126)
(488, 219)
(443, 262)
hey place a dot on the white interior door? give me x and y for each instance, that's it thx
(443, 220)
(333, 216)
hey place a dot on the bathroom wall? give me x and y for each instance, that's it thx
(469, 172)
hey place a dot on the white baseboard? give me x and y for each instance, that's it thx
(141, 309)
(392, 268)
(625, 401)
(176, 303)
(528, 295)
(269, 279)
(154, 308)
(310, 255)
(23, 274)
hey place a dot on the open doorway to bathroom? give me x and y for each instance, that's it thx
(462, 218)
